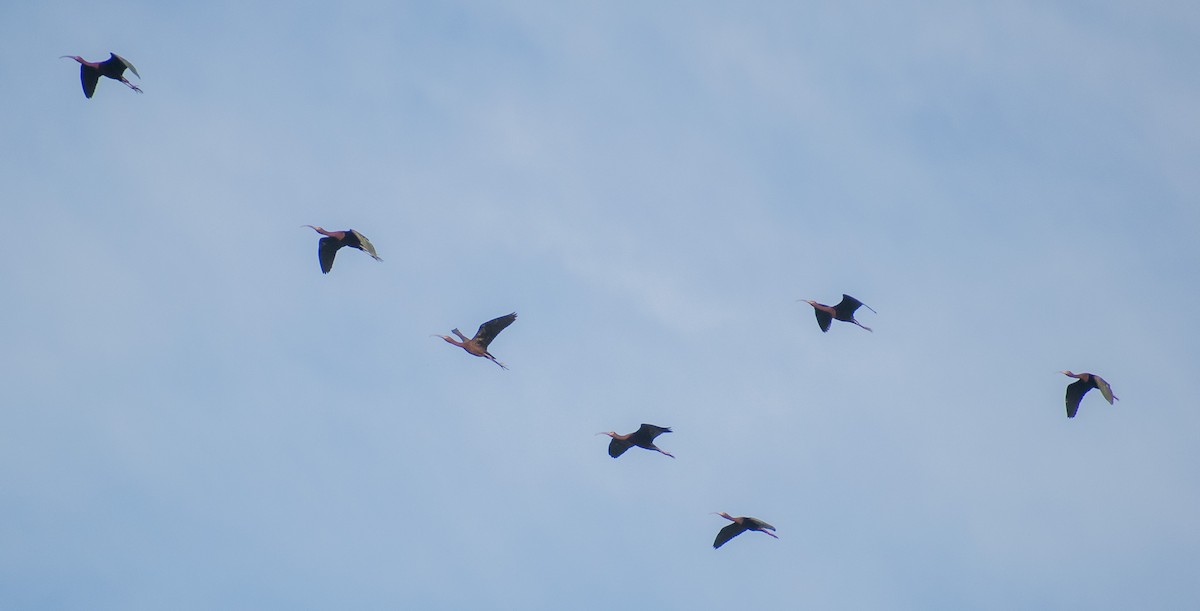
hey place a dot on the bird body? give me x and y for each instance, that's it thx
(739, 526)
(1083, 383)
(843, 311)
(642, 438)
(335, 240)
(487, 332)
(114, 68)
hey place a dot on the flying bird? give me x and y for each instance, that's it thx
(335, 240)
(113, 67)
(1083, 383)
(487, 332)
(642, 438)
(843, 311)
(739, 526)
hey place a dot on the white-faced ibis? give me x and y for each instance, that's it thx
(335, 240)
(113, 67)
(843, 311)
(739, 526)
(642, 438)
(1085, 382)
(487, 332)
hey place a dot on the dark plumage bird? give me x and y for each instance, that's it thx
(335, 240)
(843, 311)
(1083, 383)
(739, 526)
(113, 67)
(642, 438)
(487, 332)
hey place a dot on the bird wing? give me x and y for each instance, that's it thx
(848, 305)
(617, 447)
(824, 319)
(327, 251)
(759, 524)
(1105, 389)
(124, 62)
(1075, 392)
(366, 245)
(650, 431)
(89, 77)
(725, 534)
(490, 329)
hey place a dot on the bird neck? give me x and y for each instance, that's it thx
(331, 234)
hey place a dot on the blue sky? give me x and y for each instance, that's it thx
(197, 418)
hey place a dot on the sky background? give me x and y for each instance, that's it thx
(194, 417)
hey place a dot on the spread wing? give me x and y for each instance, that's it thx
(824, 319)
(848, 305)
(366, 245)
(327, 251)
(648, 432)
(124, 62)
(1075, 392)
(1105, 389)
(617, 447)
(490, 329)
(89, 77)
(725, 534)
(759, 524)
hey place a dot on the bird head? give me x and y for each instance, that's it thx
(724, 515)
(74, 57)
(808, 301)
(449, 339)
(1067, 373)
(612, 434)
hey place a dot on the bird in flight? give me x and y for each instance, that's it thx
(113, 67)
(739, 526)
(642, 438)
(335, 240)
(487, 332)
(1083, 383)
(843, 311)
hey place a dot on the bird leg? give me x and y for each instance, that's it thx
(665, 452)
(861, 325)
(493, 359)
(131, 85)
(765, 531)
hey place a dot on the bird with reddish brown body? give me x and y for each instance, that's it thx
(739, 526)
(487, 332)
(1083, 383)
(843, 311)
(642, 438)
(113, 68)
(335, 240)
